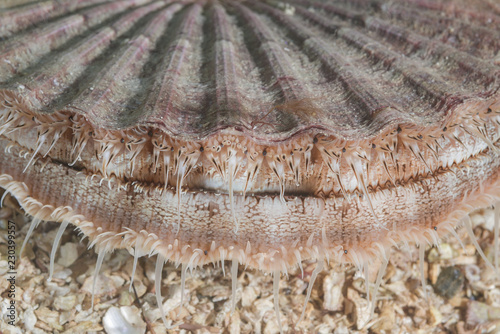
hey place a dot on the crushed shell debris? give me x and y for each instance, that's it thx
(338, 301)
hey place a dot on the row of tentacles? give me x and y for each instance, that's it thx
(119, 153)
(340, 168)
(144, 244)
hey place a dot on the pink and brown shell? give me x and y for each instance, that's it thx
(266, 133)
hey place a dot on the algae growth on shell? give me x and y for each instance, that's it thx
(264, 133)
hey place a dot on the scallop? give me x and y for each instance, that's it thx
(264, 133)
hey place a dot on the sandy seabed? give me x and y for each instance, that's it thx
(463, 294)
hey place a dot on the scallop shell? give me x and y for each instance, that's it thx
(194, 70)
(261, 132)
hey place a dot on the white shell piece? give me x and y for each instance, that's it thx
(123, 320)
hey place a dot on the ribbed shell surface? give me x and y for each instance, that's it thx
(265, 69)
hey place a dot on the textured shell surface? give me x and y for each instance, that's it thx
(261, 132)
